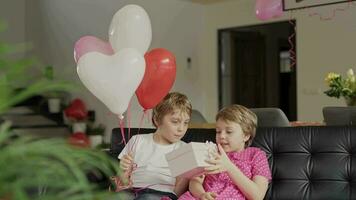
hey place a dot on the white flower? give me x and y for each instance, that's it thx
(331, 77)
(350, 75)
(350, 72)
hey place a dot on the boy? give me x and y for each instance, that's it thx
(143, 158)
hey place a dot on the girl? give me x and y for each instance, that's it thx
(237, 171)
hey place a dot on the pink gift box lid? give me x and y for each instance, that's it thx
(193, 146)
(188, 160)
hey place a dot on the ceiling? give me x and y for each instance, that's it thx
(207, 1)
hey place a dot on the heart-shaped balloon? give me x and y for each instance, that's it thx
(76, 110)
(130, 28)
(90, 43)
(159, 77)
(112, 79)
(267, 9)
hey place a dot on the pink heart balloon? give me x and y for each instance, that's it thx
(89, 44)
(267, 9)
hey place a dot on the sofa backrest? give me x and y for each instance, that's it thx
(339, 115)
(270, 117)
(306, 162)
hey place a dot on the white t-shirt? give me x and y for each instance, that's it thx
(152, 167)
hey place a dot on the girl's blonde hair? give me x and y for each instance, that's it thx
(171, 102)
(241, 115)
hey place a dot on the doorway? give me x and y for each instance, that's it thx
(255, 68)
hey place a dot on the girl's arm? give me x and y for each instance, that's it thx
(196, 186)
(197, 190)
(252, 189)
(181, 186)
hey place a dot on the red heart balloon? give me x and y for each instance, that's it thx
(160, 74)
(76, 110)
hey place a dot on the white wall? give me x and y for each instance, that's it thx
(12, 12)
(322, 46)
(55, 26)
(188, 30)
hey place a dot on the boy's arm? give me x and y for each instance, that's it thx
(126, 165)
(181, 186)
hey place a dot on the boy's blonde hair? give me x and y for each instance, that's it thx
(241, 115)
(170, 102)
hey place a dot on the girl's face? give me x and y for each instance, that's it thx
(173, 127)
(230, 136)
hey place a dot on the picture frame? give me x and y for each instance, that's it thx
(301, 4)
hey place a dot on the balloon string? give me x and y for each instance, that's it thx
(148, 116)
(129, 118)
(121, 124)
(141, 120)
(138, 131)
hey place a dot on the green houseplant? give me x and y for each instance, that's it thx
(96, 134)
(42, 168)
(342, 87)
(53, 97)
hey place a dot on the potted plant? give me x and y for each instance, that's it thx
(96, 134)
(42, 168)
(53, 97)
(342, 87)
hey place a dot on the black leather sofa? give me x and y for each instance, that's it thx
(306, 162)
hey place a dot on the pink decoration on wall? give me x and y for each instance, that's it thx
(334, 11)
(267, 9)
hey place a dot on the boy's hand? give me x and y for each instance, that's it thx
(220, 163)
(126, 162)
(208, 196)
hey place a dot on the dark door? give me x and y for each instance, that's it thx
(253, 68)
(248, 69)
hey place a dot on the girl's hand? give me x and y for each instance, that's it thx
(126, 162)
(207, 196)
(220, 163)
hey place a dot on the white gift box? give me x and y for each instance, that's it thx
(190, 159)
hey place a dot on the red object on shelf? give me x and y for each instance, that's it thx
(79, 139)
(76, 110)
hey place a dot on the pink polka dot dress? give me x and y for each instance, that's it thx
(252, 162)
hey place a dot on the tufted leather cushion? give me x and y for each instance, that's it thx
(306, 162)
(310, 162)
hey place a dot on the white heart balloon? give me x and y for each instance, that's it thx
(130, 28)
(112, 79)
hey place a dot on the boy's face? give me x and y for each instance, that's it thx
(173, 126)
(230, 136)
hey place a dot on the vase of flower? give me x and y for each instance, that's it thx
(350, 101)
(342, 87)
